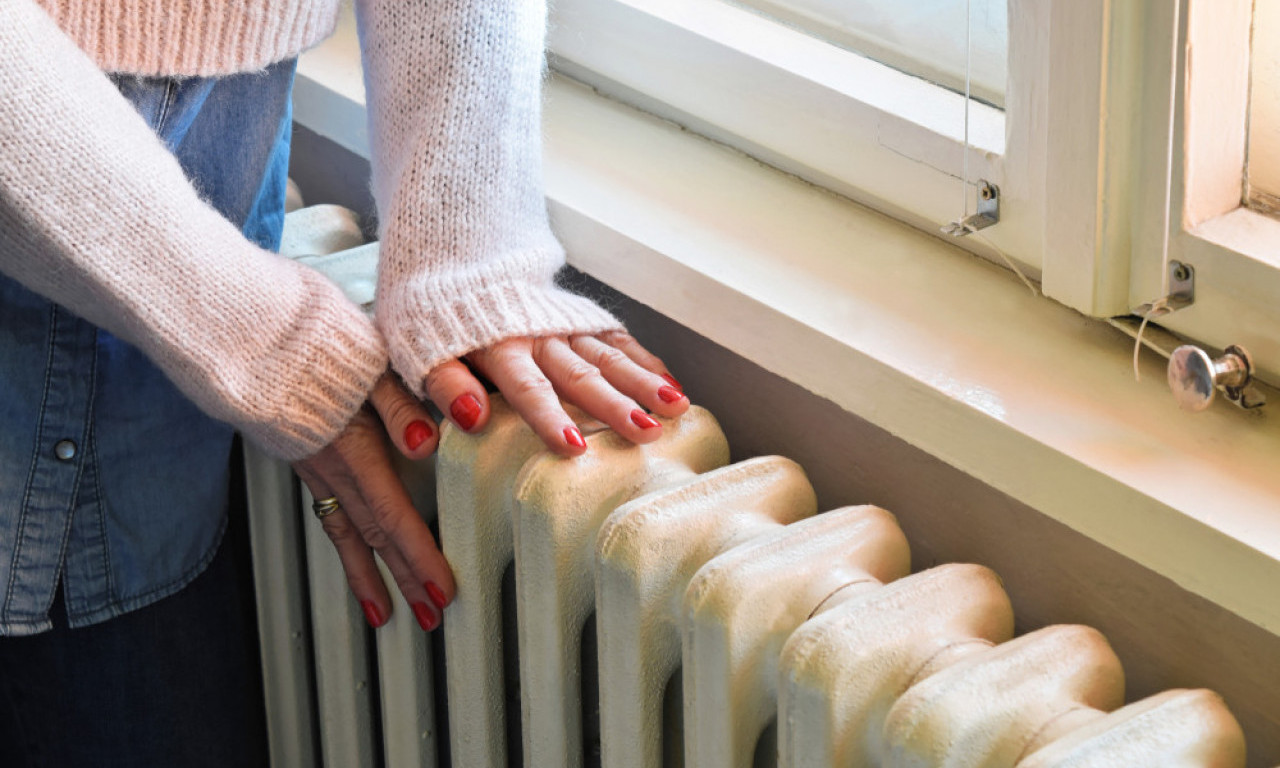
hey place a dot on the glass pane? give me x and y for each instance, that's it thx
(1264, 109)
(925, 38)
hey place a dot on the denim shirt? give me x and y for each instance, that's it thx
(112, 483)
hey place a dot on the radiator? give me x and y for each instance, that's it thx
(671, 608)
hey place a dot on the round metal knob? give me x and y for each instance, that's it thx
(1195, 377)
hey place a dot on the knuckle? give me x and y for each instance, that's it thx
(400, 411)
(530, 385)
(373, 535)
(339, 530)
(611, 357)
(617, 338)
(581, 372)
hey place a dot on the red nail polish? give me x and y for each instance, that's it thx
(416, 434)
(372, 614)
(672, 380)
(670, 394)
(573, 437)
(465, 411)
(436, 594)
(427, 618)
(643, 420)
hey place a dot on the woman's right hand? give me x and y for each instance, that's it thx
(375, 512)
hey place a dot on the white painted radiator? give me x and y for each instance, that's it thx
(670, 609)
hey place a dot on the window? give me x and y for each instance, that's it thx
(919, 38)
(1262, 177)
(1235, 250)
(1075, 129)
(884, 138)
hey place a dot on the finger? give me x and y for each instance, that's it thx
(510, 365)
(363, 578)
(408, 423)
(386, 518)
(583, 384)
(428, 607)
(642, 357)
(628, 377)
(455, 391)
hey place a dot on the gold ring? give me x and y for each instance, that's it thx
(325, 507)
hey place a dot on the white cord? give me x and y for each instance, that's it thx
(964, 182)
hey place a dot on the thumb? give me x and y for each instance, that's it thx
(407, 421)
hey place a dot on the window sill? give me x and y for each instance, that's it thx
(941, 349)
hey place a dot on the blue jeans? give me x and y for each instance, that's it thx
(128, 645)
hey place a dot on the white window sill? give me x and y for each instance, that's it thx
(907, 331)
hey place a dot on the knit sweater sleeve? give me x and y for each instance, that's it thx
(96, 215)
(468, 257)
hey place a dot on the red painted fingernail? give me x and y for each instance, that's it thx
(436, 594)
(573, 437)
(670, 394)
(643, 420)
(427, 618)
(372, 614)
(672, 380)
(465, 411)
(416, 434)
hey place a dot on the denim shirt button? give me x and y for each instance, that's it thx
(65, 450)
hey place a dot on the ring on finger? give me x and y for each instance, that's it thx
(325, 507)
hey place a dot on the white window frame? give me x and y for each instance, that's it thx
(880, 137)
(1235, 250)
(1080, 154)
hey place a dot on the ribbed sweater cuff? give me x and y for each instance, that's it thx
(448, 316)
(192, 37)
(343, 355)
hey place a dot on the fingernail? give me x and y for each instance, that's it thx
(416, 434)
(670, 394)
(573, 437)
(643, 420)
(427, 618)
(436, 594)
(372, 614)
(465, 411)
(672, 380)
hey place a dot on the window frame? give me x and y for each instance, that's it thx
(1235, 251)
(880, 137)
(1081, 168)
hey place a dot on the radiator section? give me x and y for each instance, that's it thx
(647, 552)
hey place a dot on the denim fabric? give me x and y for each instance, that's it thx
(111, 481)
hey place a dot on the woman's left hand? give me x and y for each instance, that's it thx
(375, 512)
(609, 376)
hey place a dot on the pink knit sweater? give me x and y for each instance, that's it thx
(96, 215)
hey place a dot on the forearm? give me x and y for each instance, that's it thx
(468, 258)
(96, 215)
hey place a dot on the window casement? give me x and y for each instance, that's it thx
(1235, 250)
(1080, 152)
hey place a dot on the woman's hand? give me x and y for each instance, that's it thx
(376, 513)
(609, 376)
